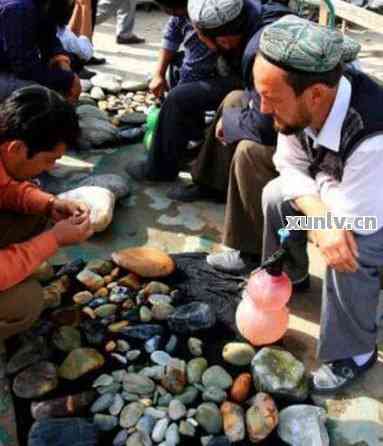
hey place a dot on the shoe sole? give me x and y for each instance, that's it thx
(342, 386)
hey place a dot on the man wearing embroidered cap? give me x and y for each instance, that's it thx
(236, 159)
(330, 160)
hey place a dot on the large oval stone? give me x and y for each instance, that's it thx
(278, 372)
(238, 353)
(36, 380)
(79, 362)
(145, 261)
(192, 317)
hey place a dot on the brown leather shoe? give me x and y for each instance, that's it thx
(129, 40)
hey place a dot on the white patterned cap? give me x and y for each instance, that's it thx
(210, 14)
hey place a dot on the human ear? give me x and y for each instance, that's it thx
(17, 148)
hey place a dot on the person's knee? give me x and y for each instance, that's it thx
(233, 99)
(176, 99)
(248, 156)
(25, 303)
(271, 196)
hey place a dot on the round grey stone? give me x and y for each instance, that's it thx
(217, 376)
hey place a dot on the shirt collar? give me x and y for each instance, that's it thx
(330, 134)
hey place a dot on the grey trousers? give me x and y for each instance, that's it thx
(10, 83)
(124, 10)
(349, 300)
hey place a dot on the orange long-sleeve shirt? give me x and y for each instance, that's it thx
(19, 260)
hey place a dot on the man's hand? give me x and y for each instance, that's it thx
(75, 90)
(61, 61)
(63, 209)
(72, 230)
(338, 247)
(158, 85)
(219, 132)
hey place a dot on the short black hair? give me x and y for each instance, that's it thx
(172, 4)
(300, 81)
(39, 117)
(57, 12)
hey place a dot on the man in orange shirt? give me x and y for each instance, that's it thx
(36, 127)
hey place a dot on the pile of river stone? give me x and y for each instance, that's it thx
(136, 347)
(123, 101)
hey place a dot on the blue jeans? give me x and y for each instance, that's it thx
(63, 432)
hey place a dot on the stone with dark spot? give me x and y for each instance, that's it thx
(192, 317)
(175, 379)
(66, 406)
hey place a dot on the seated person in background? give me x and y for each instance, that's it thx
(30, 51)
(76, 36)
(236, 158)
(37, 125)
(200, 88)
(330, 160)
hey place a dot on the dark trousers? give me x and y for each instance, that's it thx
(181, 119)
(94, 12)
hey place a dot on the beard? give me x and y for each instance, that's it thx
(291, 129)
(288, 129)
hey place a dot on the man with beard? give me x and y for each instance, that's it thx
(330, 160)
(30, 51)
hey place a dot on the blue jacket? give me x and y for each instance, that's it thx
(250, 123)
(28, 42)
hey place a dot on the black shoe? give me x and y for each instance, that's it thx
(96, 61)
(129, 40)
(233, 262)
(193, 192)
(302, 285)
(86, 74)
(336, 375)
